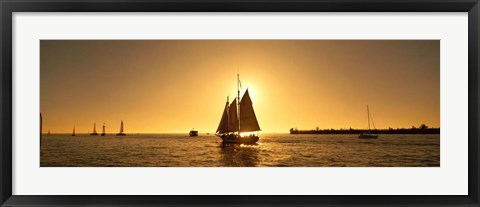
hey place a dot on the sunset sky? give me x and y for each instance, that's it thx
(164, 86)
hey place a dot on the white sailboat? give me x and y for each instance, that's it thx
(94, 130)
(368, 135)
(121, 130)
(239, 123)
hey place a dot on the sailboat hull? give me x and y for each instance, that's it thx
(121, 134)
(239, 140)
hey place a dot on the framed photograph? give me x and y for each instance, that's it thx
(239, 103)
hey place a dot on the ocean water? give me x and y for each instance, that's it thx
(273, 150)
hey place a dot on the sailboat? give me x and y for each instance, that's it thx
(121, 130)
(73, 134)
(103, 130)
(368, 135)
(239, 123)
(94, 130)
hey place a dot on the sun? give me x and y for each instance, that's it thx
(253, 91)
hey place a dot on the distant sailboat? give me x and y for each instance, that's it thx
(94, 130)
(239, 123)
(48, 131)
(103, 130)
(368, 135)
(121, 130)
(73, 134)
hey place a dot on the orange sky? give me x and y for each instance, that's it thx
(173, 86)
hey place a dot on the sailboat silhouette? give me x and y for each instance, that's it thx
(368, 135)
(103, 130)
(94, 130)
(121, 130)
(239, 123)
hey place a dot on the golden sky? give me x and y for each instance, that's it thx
(163, 86)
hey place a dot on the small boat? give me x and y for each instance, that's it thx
(193, 133)
(239, 124)
(368, 135)
(48, 131)
(73, 134)
(94, 130)
(103, 130)
(121, 130)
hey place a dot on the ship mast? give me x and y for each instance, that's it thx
(368, 115)
(228, 116)
(238, 102)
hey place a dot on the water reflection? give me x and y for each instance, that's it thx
(161, 150)
(239, 155)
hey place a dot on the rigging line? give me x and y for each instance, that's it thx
(238, 72)
(371, 118)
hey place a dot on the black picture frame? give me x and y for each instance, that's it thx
(7, 7)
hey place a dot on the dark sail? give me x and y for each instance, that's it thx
(248, 120)
(121, 127)
(223, 126)
(233, 119)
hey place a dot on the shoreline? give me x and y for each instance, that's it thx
(374, 131)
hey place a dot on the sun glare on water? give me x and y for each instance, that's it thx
(246, 134)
